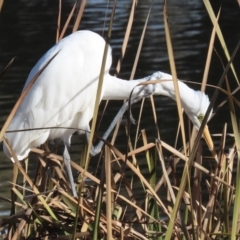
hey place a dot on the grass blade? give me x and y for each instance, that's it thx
(220, 35)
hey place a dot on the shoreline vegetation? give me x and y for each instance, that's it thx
(201, 203)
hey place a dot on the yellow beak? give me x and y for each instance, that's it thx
(208, 139)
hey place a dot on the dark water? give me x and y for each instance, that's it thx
(28, 29)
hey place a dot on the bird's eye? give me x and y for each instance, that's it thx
(200, 117)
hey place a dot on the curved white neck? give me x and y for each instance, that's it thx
(119, 89)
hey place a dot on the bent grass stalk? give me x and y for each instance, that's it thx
(129, 201)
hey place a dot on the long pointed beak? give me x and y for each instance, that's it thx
(208, 139)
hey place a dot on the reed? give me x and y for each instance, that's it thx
(186, 196)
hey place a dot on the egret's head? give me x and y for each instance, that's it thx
(196, 108)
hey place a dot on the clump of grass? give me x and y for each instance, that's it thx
(111, 203)
(119, 202)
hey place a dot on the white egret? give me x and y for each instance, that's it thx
(64, 94)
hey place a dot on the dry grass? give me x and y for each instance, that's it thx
(204, 212)
(119, 202)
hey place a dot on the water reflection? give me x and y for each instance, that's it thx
(28, 28)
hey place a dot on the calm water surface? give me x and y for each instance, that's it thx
(28, 28)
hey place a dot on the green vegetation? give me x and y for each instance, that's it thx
(121, 202)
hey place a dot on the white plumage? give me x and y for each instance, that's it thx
(64, 94)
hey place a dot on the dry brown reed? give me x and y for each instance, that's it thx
(121, 202)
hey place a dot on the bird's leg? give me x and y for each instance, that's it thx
(66, 158)
(95, 150)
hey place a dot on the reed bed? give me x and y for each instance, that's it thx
(194, 194)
